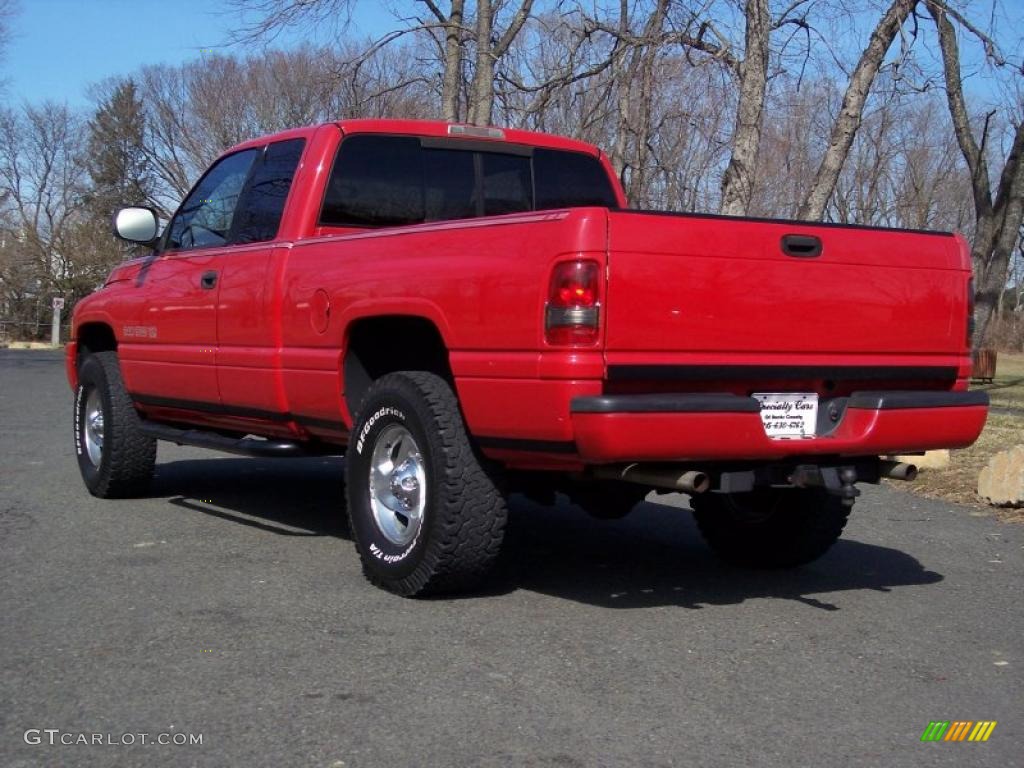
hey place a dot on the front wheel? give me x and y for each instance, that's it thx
(772, 527)
(425, 513)
(116, 460)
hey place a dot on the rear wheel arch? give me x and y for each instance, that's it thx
(378, 345)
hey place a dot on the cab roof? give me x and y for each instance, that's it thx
(431, 128)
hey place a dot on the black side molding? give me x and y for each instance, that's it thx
(665, 403)
(882, 401)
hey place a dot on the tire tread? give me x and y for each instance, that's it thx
(129, 455)
(472, 515)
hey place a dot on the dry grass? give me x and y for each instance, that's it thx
(1005, 428)
(1007, 391)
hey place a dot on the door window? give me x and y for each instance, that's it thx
(204, 220)
(262, 203)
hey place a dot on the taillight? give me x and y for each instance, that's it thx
(573, 311)
(970, 311)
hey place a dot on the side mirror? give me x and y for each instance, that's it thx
(136, 225)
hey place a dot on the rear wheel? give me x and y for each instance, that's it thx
(426, 514)
(116, 460)
(770, 528)
(607, 499)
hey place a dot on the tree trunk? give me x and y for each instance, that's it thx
(487, 55)
(481, 93)
(992, 257)
(848, 121)
(997, 223)
(452, 62)
(738, 180)
(645, 107)
(621, 70)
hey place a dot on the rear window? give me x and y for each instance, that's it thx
(449, 184)
(507, 183)
(395, 180)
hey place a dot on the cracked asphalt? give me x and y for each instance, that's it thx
(230, 604)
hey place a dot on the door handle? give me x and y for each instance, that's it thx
(802, 246)
(208, 280)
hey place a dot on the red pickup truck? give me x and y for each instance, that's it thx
(466, 312)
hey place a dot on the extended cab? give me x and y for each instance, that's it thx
(464, 312)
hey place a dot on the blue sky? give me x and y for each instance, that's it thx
(59, 47)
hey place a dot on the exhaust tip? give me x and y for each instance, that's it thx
(697, 482)
(899, 470)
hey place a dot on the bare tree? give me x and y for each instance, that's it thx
(490, 47)
(489, 41)
(47, 246)
(997, 218)
(7, 10)
(452, 55)
(798, 120)
(738, 179)
(849, 118)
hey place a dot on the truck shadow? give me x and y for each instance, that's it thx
(288, 497)
(655, 557)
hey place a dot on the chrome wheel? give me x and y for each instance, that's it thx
(398, 485)
(93, 427)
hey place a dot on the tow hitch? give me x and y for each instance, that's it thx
(837, 481)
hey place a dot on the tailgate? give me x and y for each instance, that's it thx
(692, 290)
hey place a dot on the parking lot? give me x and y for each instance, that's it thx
(230, 604)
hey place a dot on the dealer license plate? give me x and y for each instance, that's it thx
(788, 416)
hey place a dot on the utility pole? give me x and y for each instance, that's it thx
(58, 305)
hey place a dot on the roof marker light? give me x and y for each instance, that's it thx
(479, 132)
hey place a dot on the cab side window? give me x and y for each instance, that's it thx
(376, 181)
(204, 220)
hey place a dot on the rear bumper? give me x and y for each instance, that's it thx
(713, 427)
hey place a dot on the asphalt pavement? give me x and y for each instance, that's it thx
(229, 605)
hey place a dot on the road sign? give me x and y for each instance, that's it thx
(58, 303)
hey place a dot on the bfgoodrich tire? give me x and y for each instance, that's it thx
(116, 460)
(770, 528)
(426, 515)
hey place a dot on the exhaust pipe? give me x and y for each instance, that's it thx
(897, 470)
(672, 479)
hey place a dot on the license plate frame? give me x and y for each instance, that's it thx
(789, 415)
